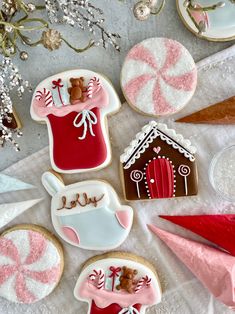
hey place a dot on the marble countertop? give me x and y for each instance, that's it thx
(119, 18)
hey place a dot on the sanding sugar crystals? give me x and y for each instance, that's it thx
(222, 173)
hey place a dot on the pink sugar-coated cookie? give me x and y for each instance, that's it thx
(159, 76)
(31, 264)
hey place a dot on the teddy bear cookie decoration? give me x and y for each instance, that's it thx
(75, 105)
(127, 279)
(118, 283)
(77, 90)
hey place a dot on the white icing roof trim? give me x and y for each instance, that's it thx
(177, 141)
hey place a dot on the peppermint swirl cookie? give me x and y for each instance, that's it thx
(159, 76)
(31, 263)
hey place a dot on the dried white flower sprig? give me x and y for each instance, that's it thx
(84, 15)
(10, 79)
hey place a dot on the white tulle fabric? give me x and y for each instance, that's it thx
(182, 292)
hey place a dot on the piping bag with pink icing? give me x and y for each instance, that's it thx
(213, 267)
(118, 283)
(88, 214)
(159, 76)
(75, 105)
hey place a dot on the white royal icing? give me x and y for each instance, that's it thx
(150, 132)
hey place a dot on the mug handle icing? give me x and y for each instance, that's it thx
(51, 183)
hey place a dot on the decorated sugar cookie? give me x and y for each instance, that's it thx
(158, 77)
(118, 283)
(31, 263)
(88, 214)
(75, 105)
(159, 163)
(210, 19)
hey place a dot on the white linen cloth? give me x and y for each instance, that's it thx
(182, 292)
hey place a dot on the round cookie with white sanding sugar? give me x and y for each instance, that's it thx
(31, 263)
(158, 77)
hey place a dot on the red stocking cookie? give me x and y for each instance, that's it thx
(31, 263)
(75, 105)
(118, 283)
(158, 77)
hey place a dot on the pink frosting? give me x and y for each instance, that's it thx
(200, 15)
(71, 234)
(214, 268)
(124, 217)
(104, 298)
(100, 99)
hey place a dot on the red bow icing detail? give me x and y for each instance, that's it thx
(129, 310)
(58, 84)
(114, 273)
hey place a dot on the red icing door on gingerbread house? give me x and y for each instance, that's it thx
(160, 178)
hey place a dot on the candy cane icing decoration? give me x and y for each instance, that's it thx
(90, 87)
(30, 266)
(137, 176)
(158, 76)
(46, 96)
(98, 278)
(143, 282)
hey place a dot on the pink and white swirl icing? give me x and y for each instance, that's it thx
(30, 266)
(100, 99)
(159, 76)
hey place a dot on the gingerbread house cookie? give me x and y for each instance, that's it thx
(159, 164)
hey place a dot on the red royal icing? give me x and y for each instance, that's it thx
(70, 152)
(111, 309)
(160, 178)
